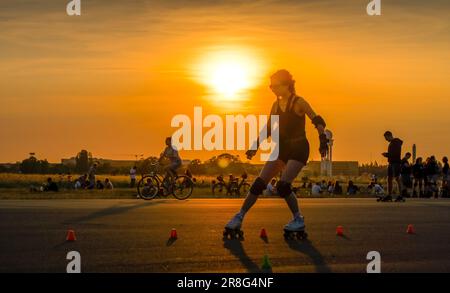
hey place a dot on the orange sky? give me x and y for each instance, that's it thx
(111, 80)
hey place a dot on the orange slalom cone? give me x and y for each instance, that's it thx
(173, 234)
(71, 235)
(340, 231)
(410, 229)
(263, 233)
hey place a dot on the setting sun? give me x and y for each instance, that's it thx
(229, 73)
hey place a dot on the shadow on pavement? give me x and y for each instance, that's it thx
(114, 210)
(236, 248)
(344, 237)
(265, 239)
(307, 248)
(171, 241)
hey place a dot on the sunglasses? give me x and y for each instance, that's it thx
(273, 86)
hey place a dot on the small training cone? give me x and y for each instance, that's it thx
(263, 233)
(266, 263)
(71, 235)
(340, 231)
(173, 234)
(410, 229)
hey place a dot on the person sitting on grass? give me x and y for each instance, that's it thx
(50, 185)
(323, 186)
(378, 189)
(315, 189)
(271, 189)
(108, 184)
(330, 187)
(337, 188)
(99, 185)
(81, 182)
(352, 189)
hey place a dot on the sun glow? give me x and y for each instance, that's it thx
(229, 73)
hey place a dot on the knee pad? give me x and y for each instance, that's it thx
(284, 188)
(258, 186)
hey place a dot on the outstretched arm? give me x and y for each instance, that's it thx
(254, 147)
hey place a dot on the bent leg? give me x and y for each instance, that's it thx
(270, 169)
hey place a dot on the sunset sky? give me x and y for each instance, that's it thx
(111, 80)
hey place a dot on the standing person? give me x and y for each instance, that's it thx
(292, 157)
(426, 184)
(91, 176)
(418, 174)
(133, 171)
(394, 159)
(445, 178)
(405, 172)
(432, 168)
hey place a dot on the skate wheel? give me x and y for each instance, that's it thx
(288, 235)
(228, 234)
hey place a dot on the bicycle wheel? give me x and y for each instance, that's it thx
(148, 187)
(245, 187)
(233, 187)
(182, 187)
(219, 188)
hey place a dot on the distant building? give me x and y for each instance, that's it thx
(68, 162)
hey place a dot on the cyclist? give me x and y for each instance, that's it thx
(171, 153)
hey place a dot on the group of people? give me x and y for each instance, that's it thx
(317, 188)
(423, 174)
(422, 178)
(330, 188)
(87, 181)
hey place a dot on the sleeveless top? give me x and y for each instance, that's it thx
(292, 125)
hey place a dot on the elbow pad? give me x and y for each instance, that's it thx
(318, 120)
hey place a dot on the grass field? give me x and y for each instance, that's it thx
(17, 186)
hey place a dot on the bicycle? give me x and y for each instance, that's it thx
(233, 186)
(153, 184)
(242, 187)
(219, 186)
